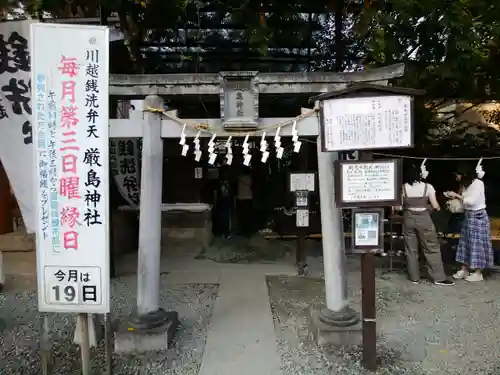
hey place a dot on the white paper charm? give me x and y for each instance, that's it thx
(265, 156)
(295, 138)
(211, 143)
(277, 143)
(229, 153)
(185, 149)
(197, 141)
(479, 169)
(182, 141)
(296, 146)
(197, 155)
(424, 173)
(247, 159)
(277, 135)
(246, 146)
(211, 159)
(263, 143)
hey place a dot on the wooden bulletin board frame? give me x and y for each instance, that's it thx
(363, 91)
(338, 181)
(363, 249)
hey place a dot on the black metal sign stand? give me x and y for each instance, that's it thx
(368, 239)
(302, 222)
(369, 311)
(301, 185)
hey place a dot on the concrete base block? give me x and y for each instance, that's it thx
(128, 340)
(326, 334)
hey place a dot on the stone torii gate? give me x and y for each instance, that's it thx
(239, 105)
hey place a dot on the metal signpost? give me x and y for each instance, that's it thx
(368, 239)
(365, 117)
(349, 155)
(70, 82)
(301, 185)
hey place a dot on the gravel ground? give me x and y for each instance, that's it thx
(19, 332)
(423, 329)
(248, 250)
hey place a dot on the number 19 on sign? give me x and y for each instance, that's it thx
(73, 285)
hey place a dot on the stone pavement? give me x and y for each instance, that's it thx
(241, 338)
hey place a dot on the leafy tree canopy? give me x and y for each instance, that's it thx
(451, 48)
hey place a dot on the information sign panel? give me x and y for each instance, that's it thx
(367, 123)
(368, 183)
(71, 142)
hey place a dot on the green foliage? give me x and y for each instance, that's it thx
(450, 47)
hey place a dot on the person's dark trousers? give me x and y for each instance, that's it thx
(245, 216)
(224, 213)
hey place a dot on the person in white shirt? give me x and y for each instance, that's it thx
(475, 251)
(419, 229)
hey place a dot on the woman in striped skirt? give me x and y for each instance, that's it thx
(475, 251)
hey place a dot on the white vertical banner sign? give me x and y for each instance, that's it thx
(71, 138)
(16, 138)
(124, 160)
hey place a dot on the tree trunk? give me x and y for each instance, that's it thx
(132, 40)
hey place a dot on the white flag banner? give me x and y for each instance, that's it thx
(124, 162)
(16, 138)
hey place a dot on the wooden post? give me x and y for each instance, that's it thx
(368, 311)
(85, 345)
(368, 307)
(108, 334)
(45, 346)
(300, 253)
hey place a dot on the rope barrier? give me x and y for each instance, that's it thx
(207, 128)
(429, 158)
